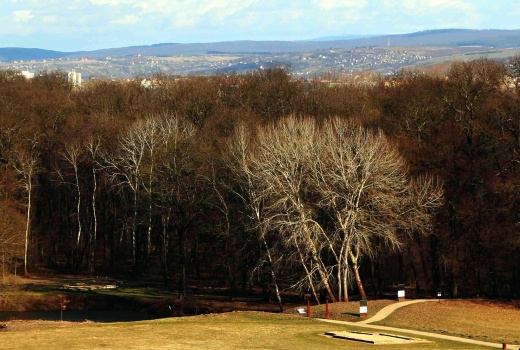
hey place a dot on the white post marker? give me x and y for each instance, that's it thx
(363, 308)
(400, 292)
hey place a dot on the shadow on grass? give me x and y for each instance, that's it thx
(77, 316)
(40, 288)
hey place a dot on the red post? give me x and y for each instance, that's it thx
(308, 309)
(327, 309)
(504, 346)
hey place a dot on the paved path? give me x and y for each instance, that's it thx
(384, 312)
(387, 310)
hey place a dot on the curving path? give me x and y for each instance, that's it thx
(387, 310)
(384, 312)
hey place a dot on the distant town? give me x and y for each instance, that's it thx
(384, 61)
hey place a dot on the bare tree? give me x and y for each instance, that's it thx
(93, 145)
(12, 225)
(26, 164)
(125, 171)
(72, 154)
(250, 193)
(280, 164)
(147, 132)
(363, 182)
(176, 188)
(353, 176)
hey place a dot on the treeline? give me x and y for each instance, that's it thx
(262, 179)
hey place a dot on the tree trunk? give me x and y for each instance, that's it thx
(340, 283)
(317, 260)
(166, 240)
(134, 229)
(344, 266)
(359, 284)
(345, 285)
(182, 265)
(150, 206)
(414, 270)
(93, 244)
(28, 224)
(273, 277)
(78, 209)
(357, 277)
(309, 277)
(375, 283)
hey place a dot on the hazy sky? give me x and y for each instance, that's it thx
(71, 25)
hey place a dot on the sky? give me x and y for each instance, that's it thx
(75, 25)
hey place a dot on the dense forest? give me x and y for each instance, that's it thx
(333, 188)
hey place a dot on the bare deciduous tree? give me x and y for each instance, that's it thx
(72, 154)
(363, 181)
(176, 189)
(93, 145)
(353, 176)
(279, 165)
(250, 193)
(11, 235)
(25, 162)
(125, 171)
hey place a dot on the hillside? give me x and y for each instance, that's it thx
(383, 60)
(16, 53)
(442, 38)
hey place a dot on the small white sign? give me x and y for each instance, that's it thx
(363, 309)
(400, 293)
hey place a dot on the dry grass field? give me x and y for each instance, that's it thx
(236, 330)
(491, 321)
(473, 319)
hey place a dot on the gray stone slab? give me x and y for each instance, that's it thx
(374, 338)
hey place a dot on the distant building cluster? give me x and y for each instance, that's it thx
(27, 74)
(73, 77)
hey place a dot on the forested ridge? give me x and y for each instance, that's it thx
(333, 189)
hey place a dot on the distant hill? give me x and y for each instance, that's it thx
(343, 37)
(442, 38)
(16, 54)
(450, 37)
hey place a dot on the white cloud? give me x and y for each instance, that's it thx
(22, 16)
(50, 19)
(429, 6)
(152, 21)
(112, 2)
(333, 4)
(410, 4)
(126, 20)
(444, 3)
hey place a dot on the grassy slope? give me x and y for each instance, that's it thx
(239, 330)
(475, 319)
(483, 320)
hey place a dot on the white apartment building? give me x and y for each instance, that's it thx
(74, 78)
